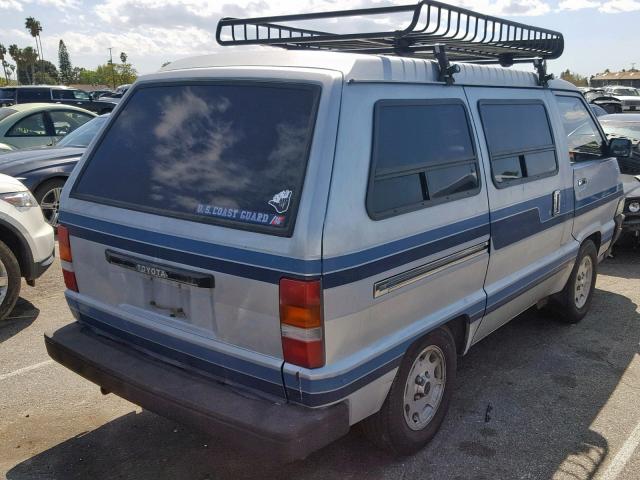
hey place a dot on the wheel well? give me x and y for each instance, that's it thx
(595, 238)
(44, 180)
(458, 328)
(17, 246)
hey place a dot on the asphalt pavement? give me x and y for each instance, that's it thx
(538, 399)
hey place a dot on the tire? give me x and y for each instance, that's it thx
(574, 301)
(390, 428)
(46, 192)
(10, 279)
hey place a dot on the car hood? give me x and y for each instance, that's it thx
(15, 163)
(10, 184)
(630, 185)
(627, 97)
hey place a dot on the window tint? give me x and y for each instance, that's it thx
(59, 94)
(31, 126)
(7, 93)
(84, 134)
(33, 94)
(80, 95)
(6, 111)
(231, 153)
(519, 139)
(583, 137)
(515, 127)
(67, 121)
(418, 136)
(422, 152)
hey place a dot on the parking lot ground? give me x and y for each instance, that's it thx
(538, 399)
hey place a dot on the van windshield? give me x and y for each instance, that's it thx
(227, 153)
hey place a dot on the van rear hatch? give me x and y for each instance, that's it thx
(181, 222)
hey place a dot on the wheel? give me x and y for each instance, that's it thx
(419, 396)
(48, 197)
(9, 281)
(574, 301)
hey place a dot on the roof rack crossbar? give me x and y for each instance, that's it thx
(466, 35)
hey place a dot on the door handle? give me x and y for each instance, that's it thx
(582, 181)
(556, 202)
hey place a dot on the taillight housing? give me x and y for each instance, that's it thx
(64, 247)
(301, 322)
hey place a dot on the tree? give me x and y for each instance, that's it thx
(102, 75)
(34, 28)
(64, 63)
(123, 57)
(46, 73)
(575, 78)
(29, 57)
(15, 53)
(3, 53)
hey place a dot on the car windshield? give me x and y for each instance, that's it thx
(622, 129)
(5, 112)
(82, 136)
(629, 92)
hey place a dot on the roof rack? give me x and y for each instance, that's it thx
(436, 30)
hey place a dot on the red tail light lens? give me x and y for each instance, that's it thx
(301, 322)
(70, 280)
(64, 246)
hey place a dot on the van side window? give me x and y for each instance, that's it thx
(520, 142)
(583, 137)
(423, 153)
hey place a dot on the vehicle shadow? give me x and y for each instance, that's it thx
(525, 400)
(624, 264)
(23, 315)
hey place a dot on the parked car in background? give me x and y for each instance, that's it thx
(629, 97)
(26, 241)
(44, 171)
(96, 94)
(628, 125)
(117, 95)
(597, 110)
(38, 124)
(597, 96)
(54, 94)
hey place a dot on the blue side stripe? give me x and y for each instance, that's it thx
(598, 199)
(222, 366)
(354, 259)
(260, 259)
(523, 284)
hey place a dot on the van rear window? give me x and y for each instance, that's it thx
(227, 153)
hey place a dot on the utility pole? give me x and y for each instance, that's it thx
(113, 75)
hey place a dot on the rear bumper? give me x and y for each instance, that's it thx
(287, 431)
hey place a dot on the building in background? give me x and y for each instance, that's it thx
(629, 78)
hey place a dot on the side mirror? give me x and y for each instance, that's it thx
(620, 147)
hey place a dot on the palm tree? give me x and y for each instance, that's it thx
(34, 27)
(3, 52)
(16, 54)
(30, 57)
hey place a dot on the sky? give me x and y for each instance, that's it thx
(599, 34)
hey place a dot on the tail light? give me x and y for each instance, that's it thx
(64, 247)
(301, 322)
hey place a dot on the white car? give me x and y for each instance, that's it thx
(26, 241)
(629, 96)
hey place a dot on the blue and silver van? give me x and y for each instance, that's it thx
(275, 245)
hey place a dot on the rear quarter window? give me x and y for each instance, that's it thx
(233, 154)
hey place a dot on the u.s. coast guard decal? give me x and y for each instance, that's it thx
(280, 201)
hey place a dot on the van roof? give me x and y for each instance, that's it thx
(365, 68)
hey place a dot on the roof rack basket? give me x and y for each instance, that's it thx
(435, 30)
